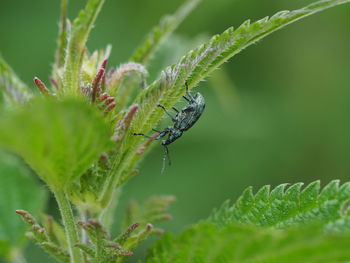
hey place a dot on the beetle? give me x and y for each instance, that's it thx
(183, 121)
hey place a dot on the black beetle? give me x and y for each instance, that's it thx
(183, 120)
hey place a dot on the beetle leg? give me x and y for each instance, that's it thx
(161, 106)
(186, 98)
(144, 135)
(160, 135)
(156, 130)
(166, 156)
(175, 109)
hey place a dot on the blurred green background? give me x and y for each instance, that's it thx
(287, 118)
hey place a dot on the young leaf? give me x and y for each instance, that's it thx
(80, 31)
(62, 36)
(207, 243)
(153, 210)
(157, 36)
(59, 139)
(18, 190)
(12, 90)
(287, 206)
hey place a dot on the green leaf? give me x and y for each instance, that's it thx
(58, 139)
(196, 66)
(161, 32)
(18, 190)
(80, 31)
(199, 63)
(12, 90)
(62, 36)
(207, 243)
(287, 206)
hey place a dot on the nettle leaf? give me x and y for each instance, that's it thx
(287, 206)
(77, 38)
(18, 190)
(12, 90)
(58, 139)
(161, 32)
(207, 243)
(198, 64)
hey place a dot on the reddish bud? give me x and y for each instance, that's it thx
(109, 100)
(104, 63)
(133, 227)
(103, 96)
(28, 218)
(35, 227)
(21, 212)
(41, 86)
(110, 107)
(128, 118)
(94, 222)
(149, 227)
(96, 83)
(104, 156)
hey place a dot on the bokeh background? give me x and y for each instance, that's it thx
(276, 113)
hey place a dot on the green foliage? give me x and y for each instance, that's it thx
(196, 66)
(12, 90)
(207, 243)
(200, 62)
(161, 32)
(46, 238)
(78, 36)
(19, 190)
(282, 225)
(287, 206)
(102, 249)
(59, 139)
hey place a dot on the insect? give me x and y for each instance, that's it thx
(183, 121)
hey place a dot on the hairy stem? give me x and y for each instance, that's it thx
(69, 225)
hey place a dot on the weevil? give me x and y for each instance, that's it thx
(183, 121)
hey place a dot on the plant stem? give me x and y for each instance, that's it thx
(69, 225)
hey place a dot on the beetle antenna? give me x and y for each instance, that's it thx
(165, 156)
